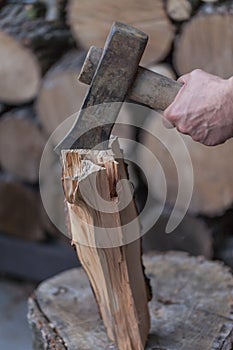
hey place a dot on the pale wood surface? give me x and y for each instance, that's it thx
(21, 144)
(17, 84)
(91, 22)
(61, 94)
(181, 10)
(115, 269)
(191, 308)
(213, 50)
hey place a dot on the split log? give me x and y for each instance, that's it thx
(61, 94)
(191, 308)
(107, 241)
(213, 172)
(181, 10)
(19, 210)
(21, 144)
(214, 51)
(91, 24)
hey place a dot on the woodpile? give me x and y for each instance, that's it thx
(41, 54)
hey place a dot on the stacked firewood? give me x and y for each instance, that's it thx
(42, 47)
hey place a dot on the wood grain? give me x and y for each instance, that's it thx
(191, 308)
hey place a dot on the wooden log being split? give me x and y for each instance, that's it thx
(61, 94)
(214, 52)
(90, 23)
(191, 308)
(21, 144)
(109, 251)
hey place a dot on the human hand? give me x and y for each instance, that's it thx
(203, 108)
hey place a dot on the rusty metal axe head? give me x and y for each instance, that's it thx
(112, 79)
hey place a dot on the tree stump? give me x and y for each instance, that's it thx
(191, 308)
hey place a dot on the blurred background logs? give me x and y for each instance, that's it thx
(42, 48)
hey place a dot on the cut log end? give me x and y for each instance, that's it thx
(216, 58)
(90, 28)
(19, 70)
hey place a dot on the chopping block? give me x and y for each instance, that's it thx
(191, 309)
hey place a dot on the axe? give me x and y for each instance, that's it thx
(114, 74)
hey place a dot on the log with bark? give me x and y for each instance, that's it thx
(105, 231)
(191, 308)
(28, 47)
(21, 144)
(213, 25)
(90, 23)
(48, 40)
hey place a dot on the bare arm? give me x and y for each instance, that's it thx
(203, 108)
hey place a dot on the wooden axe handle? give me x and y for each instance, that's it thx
(149, 88)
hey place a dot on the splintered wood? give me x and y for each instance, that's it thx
(105, 231)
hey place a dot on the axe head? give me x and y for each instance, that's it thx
(112, 79)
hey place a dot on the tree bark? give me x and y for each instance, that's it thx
(29, 45)
(48, 40)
